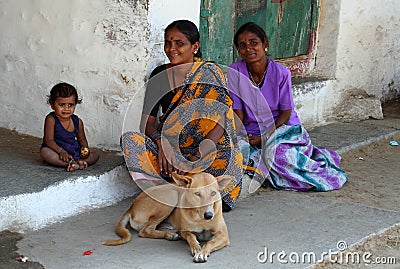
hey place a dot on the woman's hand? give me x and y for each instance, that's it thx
(207, 150)
(195, 157)
(254, 140)
(162, 162)
(165, 154)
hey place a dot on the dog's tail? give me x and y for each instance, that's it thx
(122, 231)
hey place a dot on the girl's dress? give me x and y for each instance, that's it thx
(288, 160)
(197, 105)
(66, 139)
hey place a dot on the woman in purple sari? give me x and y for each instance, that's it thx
(275, 145)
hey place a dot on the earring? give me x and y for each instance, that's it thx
(195, 51)
(266, 49)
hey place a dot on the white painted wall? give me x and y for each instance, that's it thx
(98, 46)
(107, 48)
(368, 54)
(358, 51)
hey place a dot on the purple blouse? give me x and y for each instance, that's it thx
(261, 106)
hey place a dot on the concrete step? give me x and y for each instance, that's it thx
(34, 194)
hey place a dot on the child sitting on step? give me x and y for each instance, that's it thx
(64, 141)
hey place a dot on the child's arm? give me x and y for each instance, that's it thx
(81, 135)
(49, 139)
(85, 152)
(49, 134)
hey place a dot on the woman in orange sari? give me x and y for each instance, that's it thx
(196, 131)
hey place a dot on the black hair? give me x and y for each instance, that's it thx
(253, 28)
(63, 90)
(189, 29)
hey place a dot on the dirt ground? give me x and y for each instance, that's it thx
(374, 180)
(8, 253)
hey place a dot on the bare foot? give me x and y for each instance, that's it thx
(72, 166)
(82, 164)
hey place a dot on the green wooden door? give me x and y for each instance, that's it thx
(217, 30)
(289, 24)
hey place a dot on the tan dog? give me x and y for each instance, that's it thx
(192, 206)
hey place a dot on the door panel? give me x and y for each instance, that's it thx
(290, 25)
(287, 23)
(217, 30)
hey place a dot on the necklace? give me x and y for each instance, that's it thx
(258, 85)
(69, 123)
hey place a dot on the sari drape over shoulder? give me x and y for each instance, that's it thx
(199, 104)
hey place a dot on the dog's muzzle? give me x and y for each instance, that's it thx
(208, 214)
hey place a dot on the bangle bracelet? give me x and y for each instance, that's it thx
(155, 136)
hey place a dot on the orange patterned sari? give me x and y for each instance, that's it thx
(199, 104)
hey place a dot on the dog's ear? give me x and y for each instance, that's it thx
(181, 180)
(224, 180)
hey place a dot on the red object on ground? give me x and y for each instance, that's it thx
(87, 252)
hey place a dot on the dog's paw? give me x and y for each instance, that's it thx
(195, 249)
(172, 236)
(200, 257)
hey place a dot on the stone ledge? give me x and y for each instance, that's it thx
(34, 210)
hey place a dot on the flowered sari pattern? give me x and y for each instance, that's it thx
(199, 104)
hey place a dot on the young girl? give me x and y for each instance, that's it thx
(64, 141)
